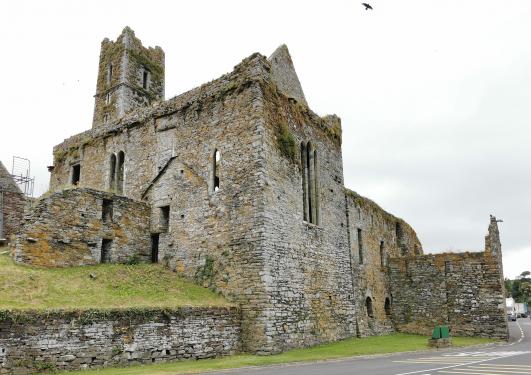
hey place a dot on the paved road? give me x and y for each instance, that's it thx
(503, 359)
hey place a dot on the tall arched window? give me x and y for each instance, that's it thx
(112, 172)
(120, 173)
(368, 306)
(215, 170)
(310, 182)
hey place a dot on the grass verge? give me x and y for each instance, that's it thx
(395, 343)
(114, 286)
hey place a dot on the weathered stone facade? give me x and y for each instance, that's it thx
(12, 203)
(35, 341)
(245, 190)
(462, 290)
(77, 227)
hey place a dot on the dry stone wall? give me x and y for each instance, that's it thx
(72, 228)
(40, 341)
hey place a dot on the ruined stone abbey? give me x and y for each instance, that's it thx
(238, 185)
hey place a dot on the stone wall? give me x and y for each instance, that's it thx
(382, 237)
(462, 290)
(12, 203)
(69, 228)
(33, 341)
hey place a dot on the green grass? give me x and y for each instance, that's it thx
(115, 286)
(347, 348)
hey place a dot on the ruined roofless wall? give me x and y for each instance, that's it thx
(60, 340)
(462, 290)
(12, 202)
(68, 228)
(383, 236)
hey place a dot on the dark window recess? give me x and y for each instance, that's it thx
(387, 307)
(120, 173)
(106, 210)
(448, 267)
(155, 248)
(145, 79)
(105, 251)
(164, 218)
(360, 246)
(368, 306)
(109, 73)
(217, 158)
(383, 256)
(76, 174)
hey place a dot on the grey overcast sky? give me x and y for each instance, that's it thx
(434, 95)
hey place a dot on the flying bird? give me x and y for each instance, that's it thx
(367, 6)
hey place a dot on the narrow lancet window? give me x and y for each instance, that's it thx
(112, 173)
(304, 182)
(120, 173)
(368, 306)
(215, 171)
(76, 174)
(360, 246)
(310, 183)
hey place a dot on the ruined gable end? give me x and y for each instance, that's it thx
(12, 202)
(284, 74)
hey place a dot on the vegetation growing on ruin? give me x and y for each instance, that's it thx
(286, 142)
(110, 286)
(347, 348)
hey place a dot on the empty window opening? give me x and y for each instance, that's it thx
(107, 98)
(120, 173)
(368, 306)
(359, 213)
(155, 248)
(448, 267)
(109, 73)
(76, 174)
(360, 246)
(216, 168)
(310, 181)
(383, 256)
(106, 245)
(387, 306)
(164, 218)
(105, 118)
(304, 182)
(106, 210)
(112, 172)
(145, 79)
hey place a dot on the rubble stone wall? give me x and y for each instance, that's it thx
(68, 228)
(12, 205)
(462, 290)
(382, 236)
(39, 341)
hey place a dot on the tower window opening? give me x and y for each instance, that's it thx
(360, 246)
(120, 173)
(145, 79)
(107, 98)
(105, 251)
(106, 210)
(310, 183)
(76, 174)
(215, 167)
(383, 255)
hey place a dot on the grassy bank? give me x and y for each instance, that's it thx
(110, 286)
(352, 347)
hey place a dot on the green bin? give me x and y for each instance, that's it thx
(445, 332)
(436, 333)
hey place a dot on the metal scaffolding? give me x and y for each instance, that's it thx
(20, 171)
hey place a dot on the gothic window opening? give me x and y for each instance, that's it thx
(310, 183)
(120, 173)
(368, 306)
(387, 306)
(76, 174)
(216, 168)
(164, 218)
(105, 251)
(360, 246)
(106, 210)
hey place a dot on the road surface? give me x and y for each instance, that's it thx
(500, 359)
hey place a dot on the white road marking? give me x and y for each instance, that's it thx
(522, 336)
(506, 354)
